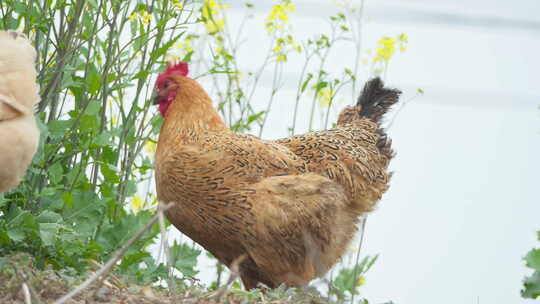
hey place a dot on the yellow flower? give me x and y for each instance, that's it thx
(214, 26)
(297, 48)
(281, 58)
(114, 119)
(290, 7)
(278, 15)
(276, 48)
(387, 47)
(278, 12)
(385, 50)
(150, 146)
(136, 204)
(142, 15)
(387, 41)
(361, 280)
(145, 17)
(269, 26)
(210, 12)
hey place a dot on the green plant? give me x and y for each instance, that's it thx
(95, 63)
(531, 283)
(347, 282)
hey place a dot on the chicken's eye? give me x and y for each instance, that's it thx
(166, 84)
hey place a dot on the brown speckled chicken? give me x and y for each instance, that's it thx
(289, 207)
(19, 134)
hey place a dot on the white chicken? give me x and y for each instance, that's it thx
(19, 135)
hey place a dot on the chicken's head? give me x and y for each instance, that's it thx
(166, 88)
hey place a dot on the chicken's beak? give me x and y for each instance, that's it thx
(155, 97)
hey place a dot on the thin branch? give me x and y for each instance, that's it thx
(26, 292)
(165, 246)
(235, 273)
(355, 275)
(403, 104)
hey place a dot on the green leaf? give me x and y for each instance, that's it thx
(114, 235)
(321, 85)
(20, 224)
(85, 212)
(102, 140)
(57, 128)
(93, 108)
(255, 117)
(67, 198)
(92, 79)
(306, 82)
(133, 259)
(533, 259)
(109, 173)
(163, 49)
(3, 200)
(141, 75)
(48, 217)
(370, 262)
(532, 286)
(48, 233)
(56, 171)
(16, 235)
(184, 258)
(187, 57)
(4, 238)
(89, 123)
(131, 188)
(47, 191)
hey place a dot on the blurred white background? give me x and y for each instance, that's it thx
(464, 203)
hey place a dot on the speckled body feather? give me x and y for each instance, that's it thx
(290, 206)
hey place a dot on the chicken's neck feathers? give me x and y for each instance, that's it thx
(191, 113)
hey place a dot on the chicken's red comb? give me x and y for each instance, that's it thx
(180, 68)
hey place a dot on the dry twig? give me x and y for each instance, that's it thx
(26, 292)
(235, 273)
(165, 246)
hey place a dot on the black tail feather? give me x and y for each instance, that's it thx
(376, 100)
